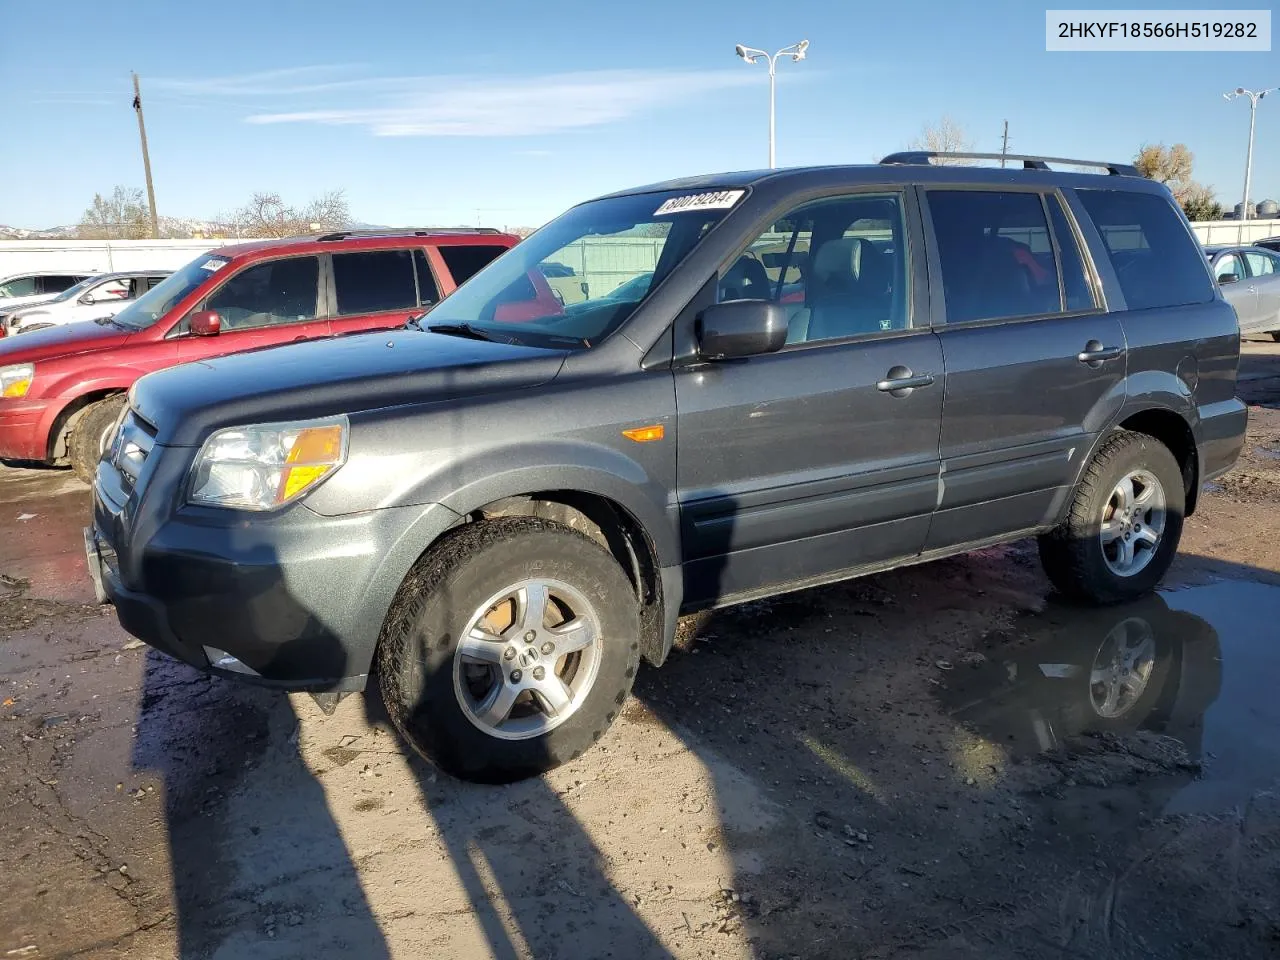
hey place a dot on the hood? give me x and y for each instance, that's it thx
(60, 341)
(325, 377)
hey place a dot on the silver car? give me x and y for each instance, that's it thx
(1250, 280)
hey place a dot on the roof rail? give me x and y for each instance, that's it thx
(407, 232)
(1028, 162)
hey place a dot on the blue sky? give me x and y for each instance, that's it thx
(429, 112)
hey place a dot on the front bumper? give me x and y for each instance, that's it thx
(23, 434)
(291, 599)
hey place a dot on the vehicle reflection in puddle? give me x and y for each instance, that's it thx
(1199, 665)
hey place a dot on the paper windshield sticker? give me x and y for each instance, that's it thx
(212, 265)
(715, 200)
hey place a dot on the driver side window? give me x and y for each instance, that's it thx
(1229, 265)
(267, 294)
(838, 266)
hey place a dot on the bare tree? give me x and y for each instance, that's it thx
(267, 215)
(1200, 203)
(1172, 166)
(946, 136)
(121, 216)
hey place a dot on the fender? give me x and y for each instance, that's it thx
(1147, 390)
(567, 465)
(443, 500)
(112, 381)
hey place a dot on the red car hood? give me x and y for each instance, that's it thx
(60, 341)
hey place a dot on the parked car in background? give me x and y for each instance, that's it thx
(1250, 281)
(62, 388)
(1271, 243)
(102, 295)
(24, 289)
(509, 516)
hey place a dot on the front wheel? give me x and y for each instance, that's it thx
(510, 649)
(1124, 524)
(1275, 335)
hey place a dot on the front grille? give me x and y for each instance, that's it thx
(133, 443)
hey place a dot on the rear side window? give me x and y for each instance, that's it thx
(1157, 262)
(464, 262)
(428, 292)
(1261, 264)
(995, 254)
(374, 281)
(57, 284)
(1075, 287)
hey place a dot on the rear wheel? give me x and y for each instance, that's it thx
(1124, 524)
(91, 434)
(510, 649)
(1275, 335)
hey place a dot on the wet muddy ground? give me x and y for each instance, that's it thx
(941, 762)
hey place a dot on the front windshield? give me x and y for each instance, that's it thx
(72, 292)
(157, 301)
(580, 277)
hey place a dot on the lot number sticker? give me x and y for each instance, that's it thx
(212, 265)
(715, 200)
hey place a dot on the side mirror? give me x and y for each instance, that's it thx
(741, 328)
(88, 300)
(205, 323)
(1228, 278)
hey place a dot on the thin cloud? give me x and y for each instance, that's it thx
(80, 101)
(512, 106)
(285, 81)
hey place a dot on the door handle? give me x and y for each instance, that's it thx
(1094, 352)
(900, 381)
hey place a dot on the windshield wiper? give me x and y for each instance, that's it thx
(111, 322)
(466, 330)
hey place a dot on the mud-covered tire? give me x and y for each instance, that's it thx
(1072, 555)
(442, 595)
(90, 434)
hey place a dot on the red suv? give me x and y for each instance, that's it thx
(62, 389)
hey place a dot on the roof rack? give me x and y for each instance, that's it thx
(407, 232)
(923, 157)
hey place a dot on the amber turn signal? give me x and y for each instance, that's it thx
(647, 434)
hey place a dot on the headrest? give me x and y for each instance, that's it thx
(839, 258)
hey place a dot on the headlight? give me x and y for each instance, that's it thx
(16, 381)
(265, 466)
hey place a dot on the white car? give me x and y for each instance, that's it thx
(24, 289)
(97, 297)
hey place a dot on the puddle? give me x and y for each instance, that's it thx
(1200, 665)
(1266, 453)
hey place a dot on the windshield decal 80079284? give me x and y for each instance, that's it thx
(715, 200)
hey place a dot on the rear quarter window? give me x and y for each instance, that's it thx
(464, 262)
(1156, 260)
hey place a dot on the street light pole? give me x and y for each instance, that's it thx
(1248, 163)
(751, 55)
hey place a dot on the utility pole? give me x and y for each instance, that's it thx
(146, 160)
(1004, 144)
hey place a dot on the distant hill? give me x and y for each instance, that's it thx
(170, 228)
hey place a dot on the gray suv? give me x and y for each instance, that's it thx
(501, 508)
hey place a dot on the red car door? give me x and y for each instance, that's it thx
(269, 302)
(378, 289)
